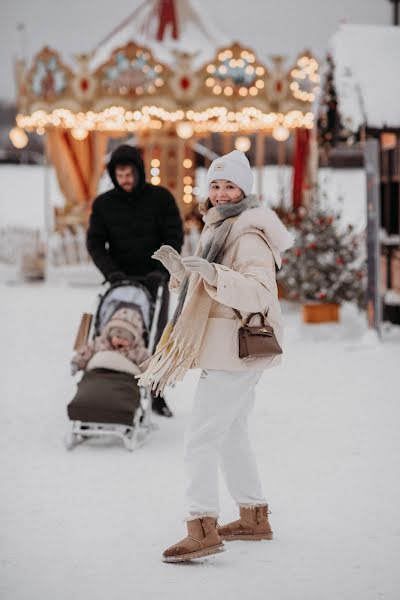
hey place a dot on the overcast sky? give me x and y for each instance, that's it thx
(269, 26)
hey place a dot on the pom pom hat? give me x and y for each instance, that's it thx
(233, 167)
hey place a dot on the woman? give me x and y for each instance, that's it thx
(234, 269)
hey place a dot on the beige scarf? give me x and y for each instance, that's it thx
(182, 337)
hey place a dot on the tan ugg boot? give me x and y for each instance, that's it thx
(252, 525)
(202, 540)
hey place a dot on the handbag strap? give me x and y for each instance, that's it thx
(251, 315)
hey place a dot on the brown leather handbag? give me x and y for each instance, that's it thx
(257, 341)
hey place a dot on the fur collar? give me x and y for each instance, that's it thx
(266, 223)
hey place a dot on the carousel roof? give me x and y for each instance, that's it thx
(164, 76)
(152, 25)
(366, 75)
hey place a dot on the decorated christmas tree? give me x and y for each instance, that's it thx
(327, 261)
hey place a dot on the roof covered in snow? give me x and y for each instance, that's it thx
(367, 75)
(195, 34)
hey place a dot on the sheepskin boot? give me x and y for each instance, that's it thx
(202, 540)
(252, 525)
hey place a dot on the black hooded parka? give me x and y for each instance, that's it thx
(126, 228)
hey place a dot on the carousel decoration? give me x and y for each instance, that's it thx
(166, 106)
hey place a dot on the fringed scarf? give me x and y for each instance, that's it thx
(182, 337)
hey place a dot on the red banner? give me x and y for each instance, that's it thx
(166, 17)
(301, 153)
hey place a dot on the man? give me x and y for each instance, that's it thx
(128, 224)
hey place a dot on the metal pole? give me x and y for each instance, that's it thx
(395, 11)
(374, 300)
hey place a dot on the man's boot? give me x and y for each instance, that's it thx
(202, 540)
(252, 525)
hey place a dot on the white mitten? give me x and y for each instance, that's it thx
(170, 258)
(199, 265)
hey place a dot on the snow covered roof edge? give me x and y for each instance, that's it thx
(367, 75)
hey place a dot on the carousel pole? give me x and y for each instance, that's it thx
(260, 164)
(48, 213)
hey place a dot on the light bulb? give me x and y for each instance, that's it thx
(281, 133)
(184, 130)
(18, 137)
(242, 143)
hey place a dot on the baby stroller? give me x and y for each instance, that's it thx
(128, 419)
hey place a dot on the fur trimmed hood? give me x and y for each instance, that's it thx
(265, 222)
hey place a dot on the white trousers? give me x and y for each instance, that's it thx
(218, 436)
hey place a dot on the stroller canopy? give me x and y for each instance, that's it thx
(132, 295)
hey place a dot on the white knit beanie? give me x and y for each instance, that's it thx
(233, 167)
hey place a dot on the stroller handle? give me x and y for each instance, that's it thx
(157, 277)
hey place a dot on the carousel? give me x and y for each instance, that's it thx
(184, 94)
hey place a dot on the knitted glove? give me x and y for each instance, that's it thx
(170, 258)
(199, 265)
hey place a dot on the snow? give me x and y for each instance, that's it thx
(93, 522)
(366, 75)
(22, 202)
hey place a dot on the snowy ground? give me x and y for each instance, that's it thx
(91, 524)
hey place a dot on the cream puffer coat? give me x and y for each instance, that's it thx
(245, 281)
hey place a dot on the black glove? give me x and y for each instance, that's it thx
(116, 276)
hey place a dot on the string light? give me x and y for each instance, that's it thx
(155, 162)
(306, 79)
(187, 163)
(18, 137)
(281, 134)
(79, 133)
(188, 198)
(214, 119)
(185, 130)
(242, 143)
